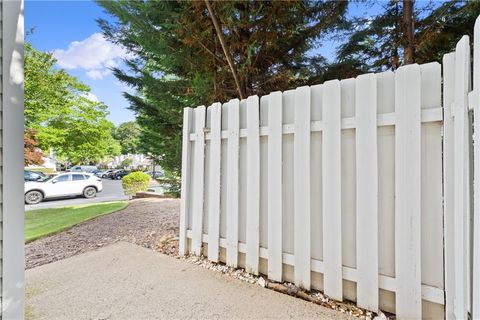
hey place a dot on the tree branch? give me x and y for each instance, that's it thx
(225, 51)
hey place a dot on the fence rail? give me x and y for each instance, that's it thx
(360, 188)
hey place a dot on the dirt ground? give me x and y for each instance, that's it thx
(150, 223)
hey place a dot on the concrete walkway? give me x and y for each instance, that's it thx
(125, 281)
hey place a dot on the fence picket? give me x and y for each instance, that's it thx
(198, 180)
(232, 181)
(186, 179)
(476, 170)
(461, 177)
(214, 181)
(275, 203)
(407, 192)
(448, 180)
(331, 170)
(302, 187)
(253, 186)
(367, 191)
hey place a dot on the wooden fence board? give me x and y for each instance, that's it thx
(367, 191)
(302, 187)
(407, 192)
(253, 186)
(186, 178)
(332, 224)
(232, 182)
(198, 180)
(275, 203)
(214, 188)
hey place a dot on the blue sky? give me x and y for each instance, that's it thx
(57, 25)
(69, 29)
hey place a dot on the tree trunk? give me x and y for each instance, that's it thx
(408, 32)
(228, 56)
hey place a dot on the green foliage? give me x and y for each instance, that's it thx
(58, 108)
(179, 61)
(377, 43)
(44, 222)
(126, 162)
(128, 135)
(135, 182)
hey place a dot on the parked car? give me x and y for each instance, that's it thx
(88, 169)
(63, 185)
(155, 174)
(119, 174)
(104, 174)
(112, 173)
(33, 175)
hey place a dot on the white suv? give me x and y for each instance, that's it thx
(63, 185)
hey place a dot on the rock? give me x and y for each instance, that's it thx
(261, 282)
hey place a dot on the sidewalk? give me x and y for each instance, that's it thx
(125, 281)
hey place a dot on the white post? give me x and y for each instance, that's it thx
(11, 162)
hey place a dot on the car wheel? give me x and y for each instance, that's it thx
(33, 197)
(104, 176)
(119, 178)
(89, 192)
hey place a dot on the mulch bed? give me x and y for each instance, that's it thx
(150, 223)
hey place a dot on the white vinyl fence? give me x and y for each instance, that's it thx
(361, 188)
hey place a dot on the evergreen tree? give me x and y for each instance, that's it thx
(180, 60)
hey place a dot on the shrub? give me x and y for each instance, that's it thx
(135, 182)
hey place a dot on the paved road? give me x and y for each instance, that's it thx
(112, 191)
(125, 281)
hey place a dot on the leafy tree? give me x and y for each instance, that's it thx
(58, 110)
(127, 134)
(33, 155)
(183, 60)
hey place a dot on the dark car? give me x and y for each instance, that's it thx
(119, 174)
(33, 175)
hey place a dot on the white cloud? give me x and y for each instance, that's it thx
(95, 55)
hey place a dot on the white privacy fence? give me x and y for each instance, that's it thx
(361, 188)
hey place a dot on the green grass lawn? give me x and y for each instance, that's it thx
(43, 222)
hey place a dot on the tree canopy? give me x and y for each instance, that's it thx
(181, 59)
(60, 113)
(128, 135)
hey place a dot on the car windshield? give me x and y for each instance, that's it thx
(46, 178)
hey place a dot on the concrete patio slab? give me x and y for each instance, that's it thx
(125, 281)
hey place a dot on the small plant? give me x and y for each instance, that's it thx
(135, 182)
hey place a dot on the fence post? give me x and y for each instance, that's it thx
(475, 103)
(186, 179)
(448, 183)
(407, 192)
(461, 178)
